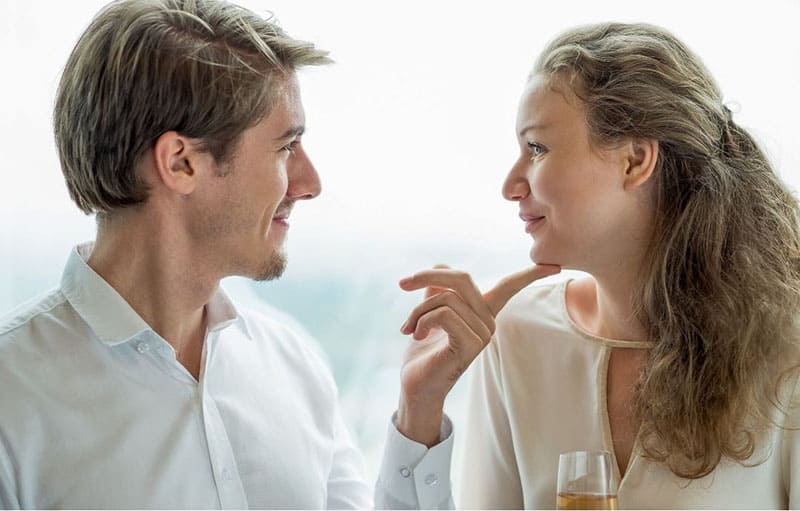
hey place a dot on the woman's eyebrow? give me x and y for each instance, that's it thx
(534, 127)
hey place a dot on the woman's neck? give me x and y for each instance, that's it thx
(604, 307)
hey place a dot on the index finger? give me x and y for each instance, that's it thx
(457, 281)
(497, 297)
(433, 290)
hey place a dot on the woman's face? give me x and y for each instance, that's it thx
(572, 196)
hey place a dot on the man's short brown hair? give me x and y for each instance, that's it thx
(204, 68)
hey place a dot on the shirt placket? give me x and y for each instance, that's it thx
(223, 463)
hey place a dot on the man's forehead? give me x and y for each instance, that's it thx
(287, 118)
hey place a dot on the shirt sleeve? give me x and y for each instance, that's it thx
(347, 488)
(412, 476)
(490, 479)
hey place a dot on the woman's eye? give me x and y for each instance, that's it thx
(536, 149)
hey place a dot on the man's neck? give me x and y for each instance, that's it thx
(159, 277)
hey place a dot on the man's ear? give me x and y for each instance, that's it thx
(640, 162)
(177, 161)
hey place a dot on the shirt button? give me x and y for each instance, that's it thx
(431, 480)
(226, 475)
(405, 472)
(142, 347)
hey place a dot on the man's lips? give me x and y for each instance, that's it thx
(531, 221)
(281, 218)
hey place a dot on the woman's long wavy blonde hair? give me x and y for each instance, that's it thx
(720, 291)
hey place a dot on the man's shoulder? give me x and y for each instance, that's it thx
(24, 314)
(280, 332)
(264, 320)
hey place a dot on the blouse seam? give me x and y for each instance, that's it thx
(605, 418)
(786, 454)
(603, 341)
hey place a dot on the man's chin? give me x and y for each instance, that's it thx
(272, 268)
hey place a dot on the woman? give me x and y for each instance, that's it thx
(678, 352)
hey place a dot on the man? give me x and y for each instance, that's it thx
(138, 383)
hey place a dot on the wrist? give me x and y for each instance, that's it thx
(420, 421)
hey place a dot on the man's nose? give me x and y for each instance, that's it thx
(304, 180)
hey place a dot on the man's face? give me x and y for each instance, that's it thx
(241, 216)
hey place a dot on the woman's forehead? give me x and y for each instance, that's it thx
(547, 104)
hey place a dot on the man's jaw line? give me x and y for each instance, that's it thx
(276, 263)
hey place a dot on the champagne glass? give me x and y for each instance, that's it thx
(586, 480)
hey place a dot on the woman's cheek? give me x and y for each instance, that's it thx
(543, 187)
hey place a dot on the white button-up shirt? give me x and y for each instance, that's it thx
(96, 412)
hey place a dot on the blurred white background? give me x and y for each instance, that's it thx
(412, 132)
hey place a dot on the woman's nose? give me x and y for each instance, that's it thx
(516, 186)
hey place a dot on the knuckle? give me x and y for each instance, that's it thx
(432, 318)
(444, 313)
(447, 296)
(424, 320)
(460, 274)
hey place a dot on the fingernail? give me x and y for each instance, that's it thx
(404, 328)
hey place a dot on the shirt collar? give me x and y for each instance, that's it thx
(221, 313)
(107, 313)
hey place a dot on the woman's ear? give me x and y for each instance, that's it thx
(640, 163)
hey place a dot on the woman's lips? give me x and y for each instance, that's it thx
(531, 221)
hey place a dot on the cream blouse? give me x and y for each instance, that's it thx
(539, 389)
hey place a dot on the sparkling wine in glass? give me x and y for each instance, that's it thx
(586, 480)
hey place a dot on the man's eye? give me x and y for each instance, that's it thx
(290, 146)
(536, 149)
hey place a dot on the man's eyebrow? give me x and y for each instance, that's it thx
(534, 126)
(294, 131)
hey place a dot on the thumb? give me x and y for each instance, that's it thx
(497, 297)
(433, 290)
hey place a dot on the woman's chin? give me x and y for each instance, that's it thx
(539, 256)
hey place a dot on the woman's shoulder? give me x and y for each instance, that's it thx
(540, 305)
(544, 294)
